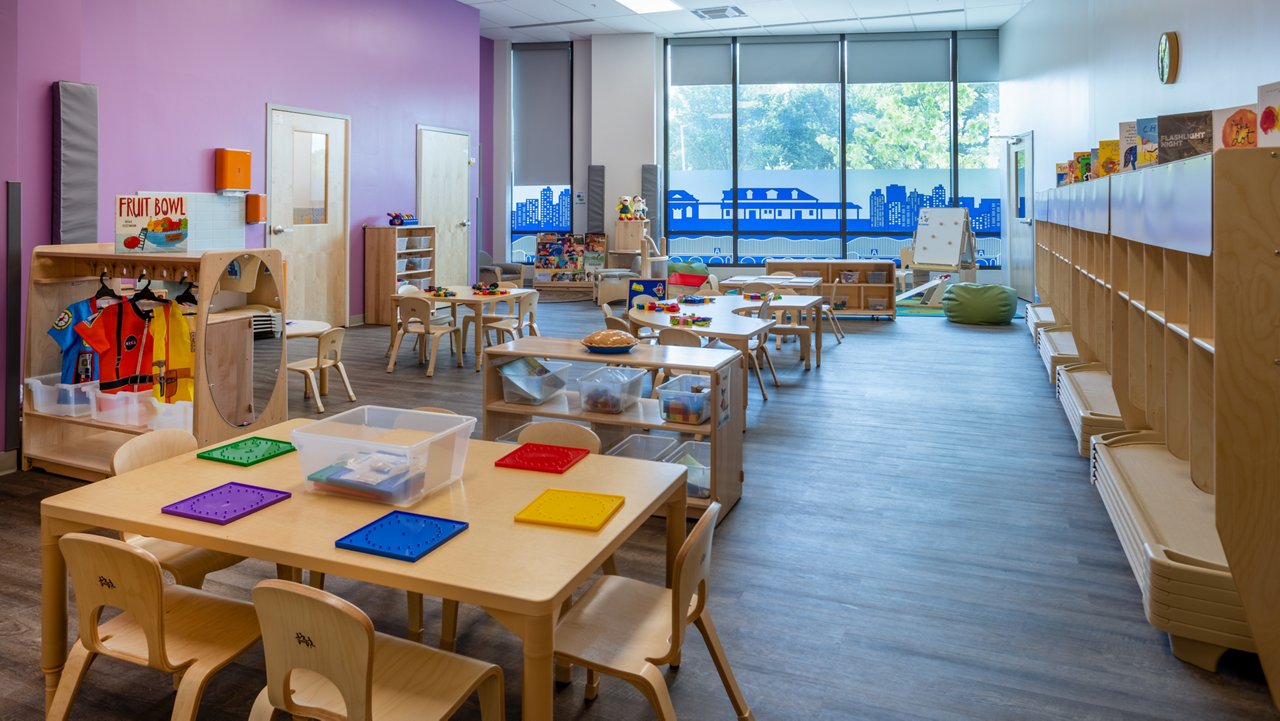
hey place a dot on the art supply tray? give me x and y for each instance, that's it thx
(247, 451)
(571, 509)
(402, 535)
(226, 503)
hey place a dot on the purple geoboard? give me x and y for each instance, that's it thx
(226, 503)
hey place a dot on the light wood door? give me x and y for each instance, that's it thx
(444, 200)
(1019, 228)
(308, 213)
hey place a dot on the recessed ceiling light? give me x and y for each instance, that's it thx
(722, 12)
(642, 7)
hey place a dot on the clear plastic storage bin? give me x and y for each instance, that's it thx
(127, 408)
(876, 276)
(50, 396)
(686, 399)
(532, 382)
(643, 446)
(610, 389)
(513, 435)
(390, 455)
(170, 415)
(696, 455)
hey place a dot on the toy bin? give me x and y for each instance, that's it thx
(391, 455)
(848, 276)
(643, 446)
(877, 304)
(686, 399)
(170, 415)
(402, 265)
(59, 399)
(610, 389)
(696, 455)
(513, 435)
(126, 408)
(530, 382)
(402, 244)
(876, 276)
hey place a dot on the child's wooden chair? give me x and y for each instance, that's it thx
(627, 628)
(187, 564)
(416, 319)
(524, 322)
(757, 286)
(644, 335)
(324, 660)
(182, 631)
(560, 433)
(328, 355)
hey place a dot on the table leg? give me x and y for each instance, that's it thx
(742, 347)
(53, 611)
(817, 333)
(676, 510)
(478, 322)
(538, 635)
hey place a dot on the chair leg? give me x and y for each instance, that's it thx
(78, 662)
(435, 348)
(654, 687)
(415, 617)
(395, 348)
(186, 704)
(288, 573)
(262, 709)
(755, 363)
(708, 629)
(592, 688)
(448, 625)
(346, 382)
(315, 390)
(461, 339)
(610, 566)
(491, 694)
(769, 361)
(422, 349)
(315, 579)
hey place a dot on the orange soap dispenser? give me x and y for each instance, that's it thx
(231, 170)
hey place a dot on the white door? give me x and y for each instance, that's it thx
(444, 200)
(307, 216)
(1018, 219)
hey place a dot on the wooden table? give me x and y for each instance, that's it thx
(796, 283)
(305, 328)
(810, 306)
(469, 298)
(519, 573)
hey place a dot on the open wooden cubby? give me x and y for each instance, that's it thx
(1168, 282)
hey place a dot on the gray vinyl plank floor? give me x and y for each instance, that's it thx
(917, 539)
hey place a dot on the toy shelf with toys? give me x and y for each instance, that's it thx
(395, 255)
(852, 287)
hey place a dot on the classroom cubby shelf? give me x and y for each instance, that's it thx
(1167, 280)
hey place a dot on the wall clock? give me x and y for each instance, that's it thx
(1167, 58)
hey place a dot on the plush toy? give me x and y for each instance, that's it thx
(624, 208)
(639, 210)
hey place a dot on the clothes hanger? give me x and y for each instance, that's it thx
(186, 297)
(144, 292)
(104, 290)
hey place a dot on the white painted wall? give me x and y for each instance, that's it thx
(1074, 69)
(626, 87)
(501, 220)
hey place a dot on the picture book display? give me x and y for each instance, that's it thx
(1084, 166)
(1148, 141)
(1063, 171)
(1108, 158)
(1095, 172)
(594, 255)
(1184, 135)
(1129, 142)
(151, 224)
(1268, 111)
(1235, 127)
(561, 258)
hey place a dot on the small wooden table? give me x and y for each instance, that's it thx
(796, 283)
(305, 328)
(519, 573)
(469, 298)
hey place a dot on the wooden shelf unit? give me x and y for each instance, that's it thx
(847, 299)
(389, 253)
(724, 429)
(80, 446)
(1167, 278)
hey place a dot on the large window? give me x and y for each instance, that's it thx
(541, 196)
(755, 149)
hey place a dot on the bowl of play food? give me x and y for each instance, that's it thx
(610, 342)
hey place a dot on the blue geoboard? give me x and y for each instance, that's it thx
(402, 535)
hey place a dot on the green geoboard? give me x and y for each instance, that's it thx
(247, 451)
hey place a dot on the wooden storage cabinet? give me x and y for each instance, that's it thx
(395, 255)
(80, 446)
(848, 299)
(723, 430)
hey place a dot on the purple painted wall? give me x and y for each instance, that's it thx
(486, 144)
(178, 78)
(8, 164)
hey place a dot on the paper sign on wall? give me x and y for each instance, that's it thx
(151, 224)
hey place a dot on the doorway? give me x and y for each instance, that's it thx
(308, 213)
(444, 199)
(1018, 216)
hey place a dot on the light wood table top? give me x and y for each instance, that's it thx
(520, 573)
(726, 323)
(778, 281)
(305, 328)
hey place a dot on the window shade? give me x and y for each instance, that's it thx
(541, 97)
(917, 58)
(978, 57)
(702, 64)
(765, 63)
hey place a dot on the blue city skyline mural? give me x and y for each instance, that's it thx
(547, 211)
(891, 209)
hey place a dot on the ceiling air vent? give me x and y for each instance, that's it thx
(722, 12)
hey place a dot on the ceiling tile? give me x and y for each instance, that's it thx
(497, 33)
(630, 24)
(990, 17)
(682, 21)
(879, 8)
(544, 11)
(826, 9)
(770, 11)
(840, 26)
(501, 14)
(596, 8)
(901, 24)
(970, 4)
(549, 34)
(940, 21)
(933, 6)
(586, 30)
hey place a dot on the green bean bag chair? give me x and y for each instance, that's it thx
(979, 304)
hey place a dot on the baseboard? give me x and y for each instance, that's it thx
(355, 320)
(8, 462)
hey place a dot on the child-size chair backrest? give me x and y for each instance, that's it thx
(692, 573)
(158, 445)
(757, 286)
(529, 307)
(418, 309)
(331, 344)
(607, 310)
(714, 283)
(560, 433)
(679, 337)
(765, 304)
(306, 628)
(107, 573)
(613, 322)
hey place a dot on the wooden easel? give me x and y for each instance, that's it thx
(944, 243)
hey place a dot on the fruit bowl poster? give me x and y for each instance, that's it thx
(151, 224)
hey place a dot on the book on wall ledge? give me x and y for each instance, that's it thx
(1084, 166)
(1128, 146)
(1269, 115)
(1095, 170)
(1108, 158)
(1235, 127)
(1064, 173)
(1148, 141)
(1184, 135)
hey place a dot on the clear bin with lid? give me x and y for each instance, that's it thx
(610, 389)
(127, 408)
(529, 381)
(49, 395)
(696, 456)
(643, 446)
(686, 399)
(392, 455)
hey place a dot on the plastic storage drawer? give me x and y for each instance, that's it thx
(126, 408)
(610, 389)
(390, 455)
(686, 399)
(530, 388)
(50, 396)
(696, 456)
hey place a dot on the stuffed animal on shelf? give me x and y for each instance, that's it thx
(639, 210)
(624, 208)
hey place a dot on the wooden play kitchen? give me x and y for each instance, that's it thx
(235, 287)
(1160, 321)
(505, 410)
